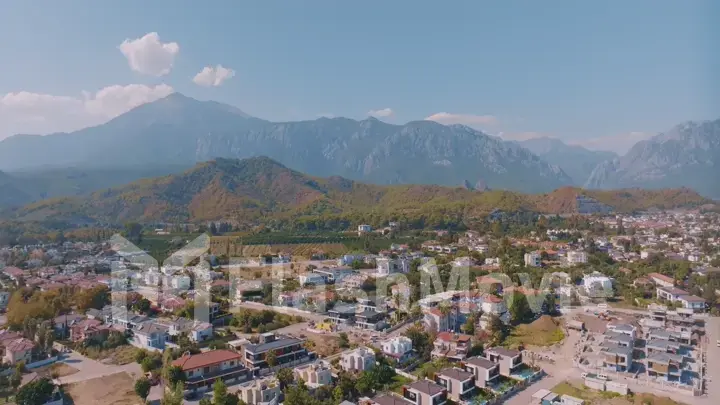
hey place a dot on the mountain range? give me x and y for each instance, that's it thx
(574, 160)
(687, 155)
(261, 190)
(179, 130)
(175, 133)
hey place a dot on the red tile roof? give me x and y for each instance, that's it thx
(453, 337)
(193, 361)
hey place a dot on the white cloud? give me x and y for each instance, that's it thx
(385, 112)
(470, 120)
(33, 113)
(149, 56)
(213, 76)
(618, 143)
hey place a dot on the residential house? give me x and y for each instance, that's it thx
(259, 392)
(150, 335)
(533, 259)
(435, 319)
(617, 358)
(576, 257)
(63, 323)
(399, 348)
(693, 302)
(453, 346)
(459, 384)
(196, 331)
(618, 339)
(661, 280)
(662, 346)
(597, 285)
(17, 350)
(665, 365)
(508, 360)
(360, 359)
(315, 375)
(486, 372)
(424, 392)
(89, 330)
(670, 293)
(342, 314)
(203, 369)
(623, 328)
(288, 351)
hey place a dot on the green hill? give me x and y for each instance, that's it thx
(260, 190)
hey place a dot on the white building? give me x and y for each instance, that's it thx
(533, 259)
(598, 285)
(360, 359)
(397, 347)
(364, 229)
(314, 374)
(386, 265)
(576, 257)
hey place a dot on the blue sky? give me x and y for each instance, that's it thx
(602, 75)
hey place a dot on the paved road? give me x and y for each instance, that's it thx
(89, 368)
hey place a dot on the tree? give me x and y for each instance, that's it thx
(366, 384)
(221, 395)
(519, 308)
(35, 393)
(148, 364)
(140, 355)
(271, 359)
(344, 341)
(285, 376)
(142, 388)
(142, 306)
(174, 375)
(173, 396)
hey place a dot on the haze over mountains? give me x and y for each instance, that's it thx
(576, 161)
(176, 132)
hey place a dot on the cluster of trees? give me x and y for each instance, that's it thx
(262, 321)
(27, 303)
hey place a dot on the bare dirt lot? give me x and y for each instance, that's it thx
(117, 389)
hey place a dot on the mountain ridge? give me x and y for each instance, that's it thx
(260, 190)
(179, 130)
(686, 155)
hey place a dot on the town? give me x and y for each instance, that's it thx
(568, 310)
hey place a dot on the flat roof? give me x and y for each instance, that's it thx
(276, 344)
